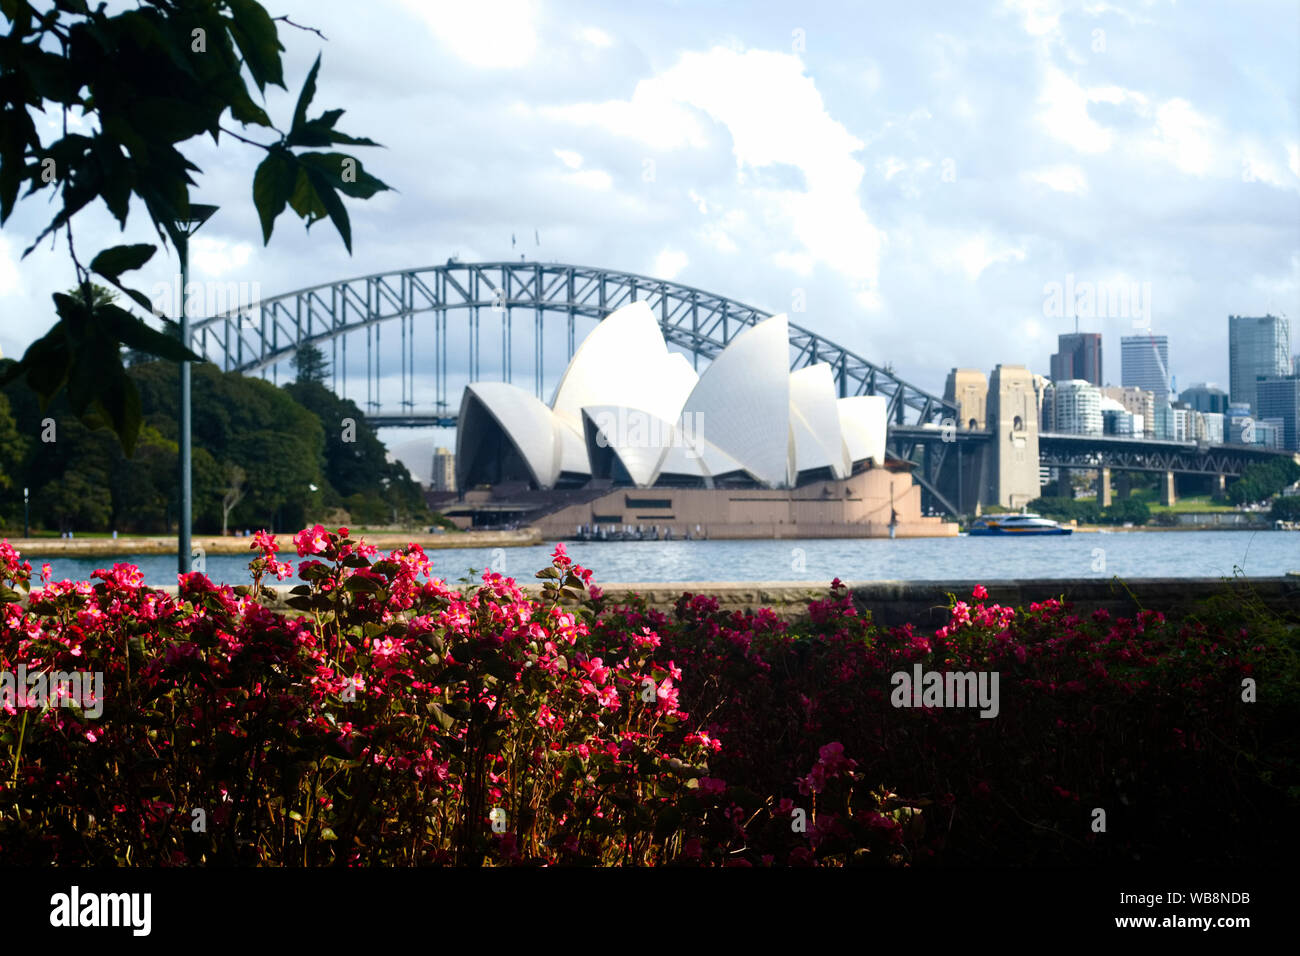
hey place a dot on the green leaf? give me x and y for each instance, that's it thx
(333, 206)
(273, 185)
(305, 97)
(135, 334)
(345, 173)
(255, 34)
(440, 716)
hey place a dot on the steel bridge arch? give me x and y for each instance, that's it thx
(259, 335)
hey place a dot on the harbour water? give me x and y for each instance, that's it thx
(1190, 554)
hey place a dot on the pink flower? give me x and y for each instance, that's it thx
(712, 785)
(980, 592)
(311, 540)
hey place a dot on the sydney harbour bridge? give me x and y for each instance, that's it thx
(461, 307)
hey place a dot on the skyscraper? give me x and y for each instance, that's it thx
(1078, 357)
(1258, 347)
(1280, 398)
(1144, 364)
(1205, 397)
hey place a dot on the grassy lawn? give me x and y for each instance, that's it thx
(1151, 499)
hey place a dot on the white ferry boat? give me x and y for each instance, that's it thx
(1018, 525)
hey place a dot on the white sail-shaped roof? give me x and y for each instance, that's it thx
(624, 361)
(743, 400)
(637, 438)
(523, 419)
(863, 422)
(815, 419)
(625, 396)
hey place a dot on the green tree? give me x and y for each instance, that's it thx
(13, 446)
(1285, 508)
(375, 490)
(309, 364)
(1262, 480)
(144, 81)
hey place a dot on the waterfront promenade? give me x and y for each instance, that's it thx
(229, 544)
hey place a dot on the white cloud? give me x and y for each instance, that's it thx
(1065, 113)
(217, 257)
(669, 263)
(891, 166)
(1293, 158)
(569, 158)
(775, 116)
(976, 253)
(492, 34)
(1065, 178)
(10, 280)
(596, 37)
(1040, 17)
(590, 179)
(1262, 163)
(1183, 137)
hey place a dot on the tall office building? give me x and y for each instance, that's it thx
(1279, 398)
(1144, 364)
(1078, 356)
(444, 470)
(1205, 397)
(1258, 347)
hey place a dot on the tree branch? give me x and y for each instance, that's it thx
(299, 26)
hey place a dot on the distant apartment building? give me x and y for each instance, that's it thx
(1212, 422)
(1258, 347)
(1239, 425)
(1138, 403)
(1182, 425)
(1205, 397)
(1118, 420)
(1279, 399)
(1076, 408)
(1269, 432)
(1078, 356)
(1144, 364)
(444, 470)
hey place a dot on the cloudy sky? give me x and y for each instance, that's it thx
(923, 175)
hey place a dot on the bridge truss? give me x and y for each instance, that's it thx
(262, 334)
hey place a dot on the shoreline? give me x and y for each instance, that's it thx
(216, 544)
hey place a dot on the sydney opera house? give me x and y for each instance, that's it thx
(635, 438)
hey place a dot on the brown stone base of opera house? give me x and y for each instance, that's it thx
(861, 506)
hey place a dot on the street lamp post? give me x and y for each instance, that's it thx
(186, 227)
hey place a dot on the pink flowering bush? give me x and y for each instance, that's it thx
(1140, 716)
(390, 719)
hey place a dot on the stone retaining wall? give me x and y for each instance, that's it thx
(925, 603)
